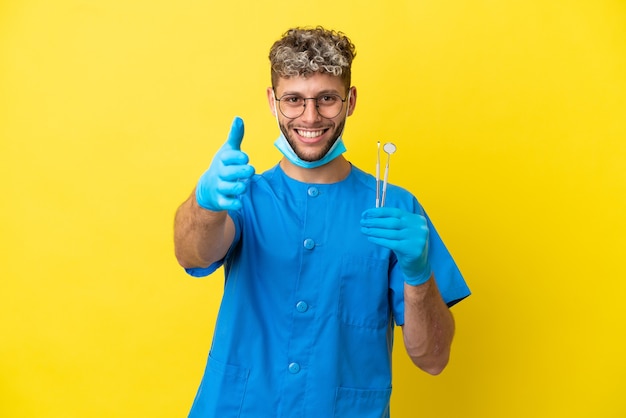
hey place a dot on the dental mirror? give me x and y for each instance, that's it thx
(389, 148)
(378, 176)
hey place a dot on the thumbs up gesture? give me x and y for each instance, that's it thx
(220, 186)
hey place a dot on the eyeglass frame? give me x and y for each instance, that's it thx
(317, 106)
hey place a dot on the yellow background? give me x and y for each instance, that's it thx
(510, 122)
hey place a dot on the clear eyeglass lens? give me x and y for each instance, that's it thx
(328, 105)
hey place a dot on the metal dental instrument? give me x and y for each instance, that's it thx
(378, 177)
(389, 148)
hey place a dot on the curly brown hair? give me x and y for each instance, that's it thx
(304, 51)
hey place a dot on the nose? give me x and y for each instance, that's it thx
(310, 111)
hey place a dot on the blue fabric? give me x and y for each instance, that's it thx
(306, 323)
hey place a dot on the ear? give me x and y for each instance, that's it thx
(271, 100)
(352, 102)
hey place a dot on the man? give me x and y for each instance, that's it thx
(316, 275)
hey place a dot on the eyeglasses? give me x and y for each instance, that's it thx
(328, 106)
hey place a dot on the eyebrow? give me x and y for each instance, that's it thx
(296, 93)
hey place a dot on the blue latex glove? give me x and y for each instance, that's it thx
(220, 186)
(406, 234)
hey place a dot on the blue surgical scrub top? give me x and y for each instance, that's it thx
(305, 327)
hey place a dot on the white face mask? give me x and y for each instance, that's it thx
(285, 148)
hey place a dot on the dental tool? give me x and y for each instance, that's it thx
(389, 148)
(378, 177)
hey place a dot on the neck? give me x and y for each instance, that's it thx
(333, 172)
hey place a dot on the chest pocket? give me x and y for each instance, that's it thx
(364, 292)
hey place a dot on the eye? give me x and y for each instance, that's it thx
(328, 99)
(292, 100)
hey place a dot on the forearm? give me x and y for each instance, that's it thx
(428, 327)
(201, 237)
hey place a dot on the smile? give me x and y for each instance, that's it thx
(310, 134)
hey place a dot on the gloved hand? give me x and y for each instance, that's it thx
(406, 234)
(219, 187)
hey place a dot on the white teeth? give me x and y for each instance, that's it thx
(310, 134)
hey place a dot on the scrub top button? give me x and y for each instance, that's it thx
(294, 368)
(309, 244)
(302, 306)
(313, 191)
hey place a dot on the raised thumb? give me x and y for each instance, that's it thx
(235, 136)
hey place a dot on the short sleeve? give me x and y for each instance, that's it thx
(448, 277)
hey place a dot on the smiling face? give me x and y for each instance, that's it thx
(310, 134)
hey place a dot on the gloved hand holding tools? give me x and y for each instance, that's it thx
(406, 234)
